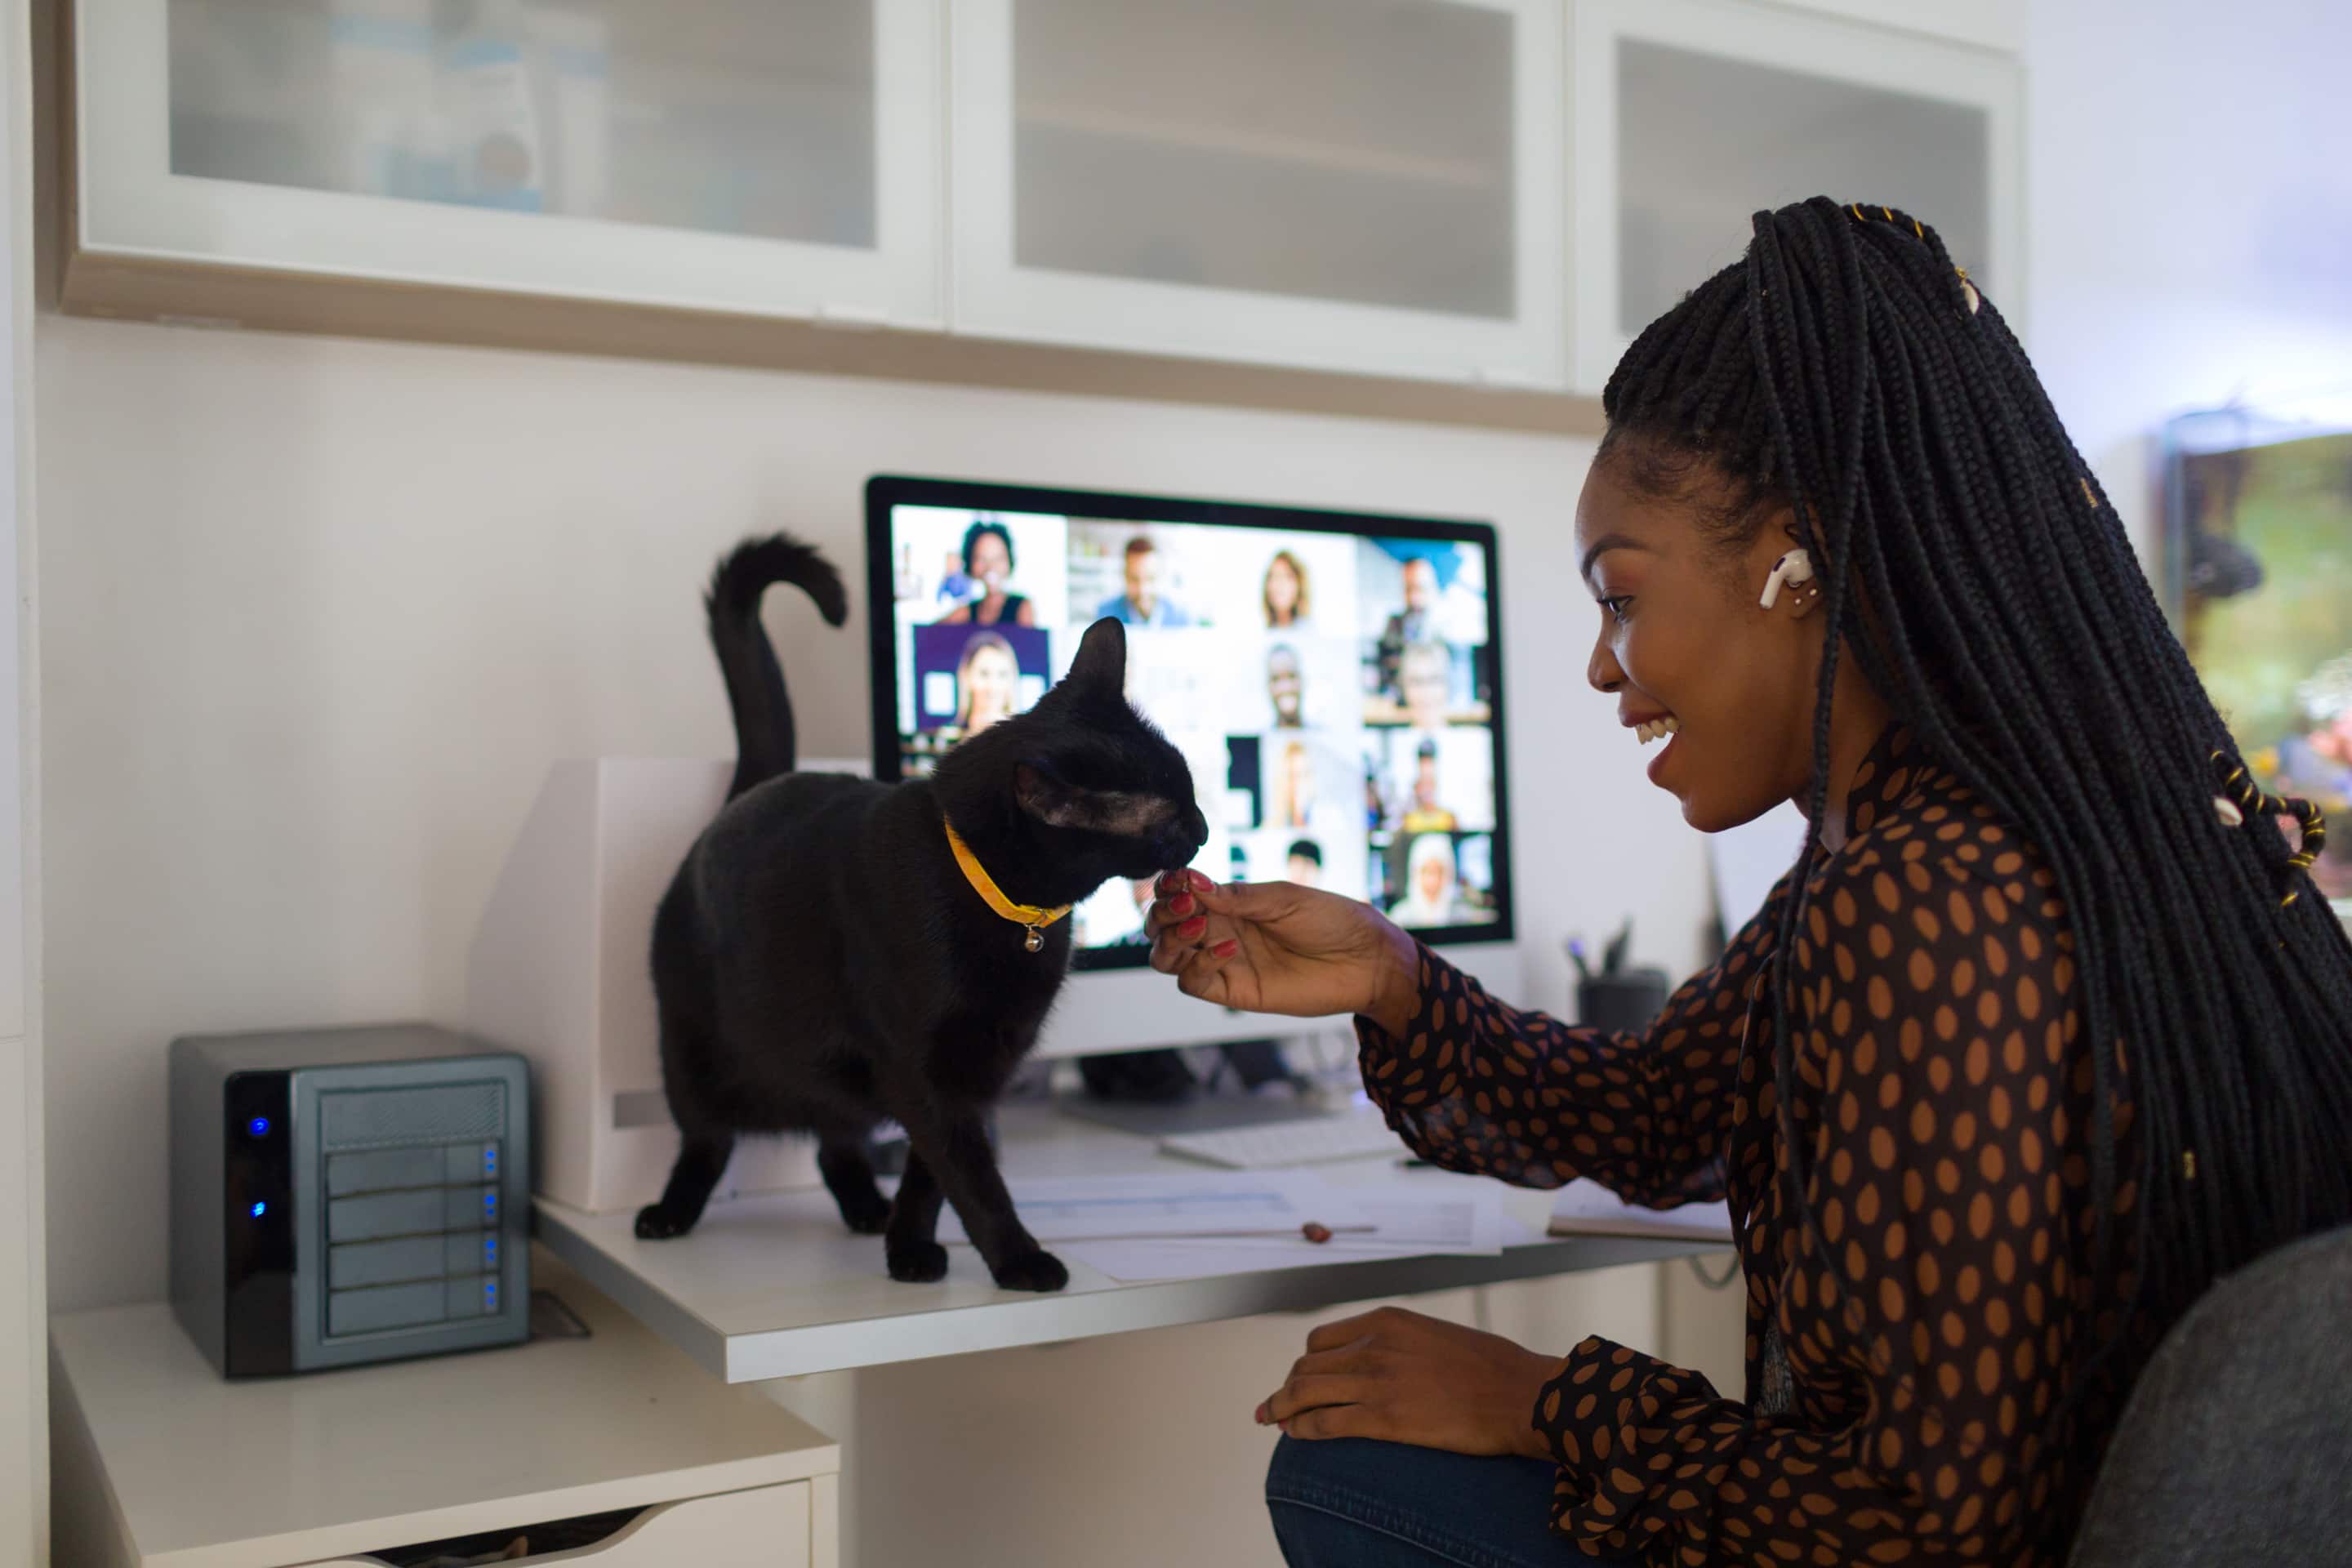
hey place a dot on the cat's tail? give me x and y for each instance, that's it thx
(764, 744)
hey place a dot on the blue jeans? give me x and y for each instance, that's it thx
(1352, 1502)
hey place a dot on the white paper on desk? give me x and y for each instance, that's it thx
(1468, 1218)
(1585, 1207)
(1467, 1222)
(1208, 1204)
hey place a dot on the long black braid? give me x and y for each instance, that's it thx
(1847, 369)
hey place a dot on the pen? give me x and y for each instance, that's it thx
(1614, 959)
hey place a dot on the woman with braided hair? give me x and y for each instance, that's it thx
(2045, 1030)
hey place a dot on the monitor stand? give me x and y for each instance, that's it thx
(1200, 1112)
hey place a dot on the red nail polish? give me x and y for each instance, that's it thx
(1200, 882)
(1181, 904)
(1227, 948)
(1193, 927)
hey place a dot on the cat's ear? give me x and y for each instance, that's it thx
(1102, 658)
(1042, 794)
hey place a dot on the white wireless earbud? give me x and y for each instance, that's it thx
(1794, 568)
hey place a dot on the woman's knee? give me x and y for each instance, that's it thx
(1322, 1500)
(1359, 1467)
(1358, 1502)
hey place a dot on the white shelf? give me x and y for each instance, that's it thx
(201, 1472)
(1331, 156)
(776, 1286)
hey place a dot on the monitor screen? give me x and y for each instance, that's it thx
(1332, 678)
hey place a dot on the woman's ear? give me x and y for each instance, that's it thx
(1783, 573)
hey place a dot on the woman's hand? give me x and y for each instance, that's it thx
(1400, 1376)
(1277, 947)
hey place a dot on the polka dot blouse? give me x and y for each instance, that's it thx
(1898, 1372)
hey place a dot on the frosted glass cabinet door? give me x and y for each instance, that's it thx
(1369, 185)
(1692, 115)
(766, 156)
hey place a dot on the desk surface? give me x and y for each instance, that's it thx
(776, 1286)
(200, 1472)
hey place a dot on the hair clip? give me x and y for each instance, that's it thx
(2242, 798)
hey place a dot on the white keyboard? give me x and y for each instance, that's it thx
(1268, 1145)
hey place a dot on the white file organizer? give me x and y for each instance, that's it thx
(558, 971)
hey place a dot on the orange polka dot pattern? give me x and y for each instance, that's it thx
(1944, 1100)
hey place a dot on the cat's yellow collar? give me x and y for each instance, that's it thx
(1027, 915)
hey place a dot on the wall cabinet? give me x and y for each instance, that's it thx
(733, 155)
(1692, 115)
(1342, 185)
(1353, 194)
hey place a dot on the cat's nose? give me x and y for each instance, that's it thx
(1181, 838)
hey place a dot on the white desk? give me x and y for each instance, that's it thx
(163, 1464)
(776, 1286)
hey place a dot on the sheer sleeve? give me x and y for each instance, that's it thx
(1473, 1085)
(1927, 1322)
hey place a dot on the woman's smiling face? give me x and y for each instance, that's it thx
(1688, 653)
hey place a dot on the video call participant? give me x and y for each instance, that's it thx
(1302, 864)
(1295, 806)
(1426, 674)
(1429, 884)
(1285, 595)
(987, 677)
(1285, 687)
(987, 563)
(1142, 604)
(1416, 623)
(1425, 815)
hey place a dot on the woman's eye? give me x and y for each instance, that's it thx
(1617, 604)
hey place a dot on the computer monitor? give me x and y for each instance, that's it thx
(1334, 678)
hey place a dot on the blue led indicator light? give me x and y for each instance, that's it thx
(258, 1126)
(489, 1200)
(259, 1210)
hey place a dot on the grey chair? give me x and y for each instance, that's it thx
(2236, 1446)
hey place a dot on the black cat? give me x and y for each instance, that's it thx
(823, 961)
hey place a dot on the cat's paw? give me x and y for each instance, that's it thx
(1033, 1271)
(655, 1223)
(918, 1262)
(866, 1213)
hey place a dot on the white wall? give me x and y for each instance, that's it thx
(317, 614)
(2189, 180)
(24, 1344)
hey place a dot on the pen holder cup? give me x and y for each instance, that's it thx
(1623, 1002)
